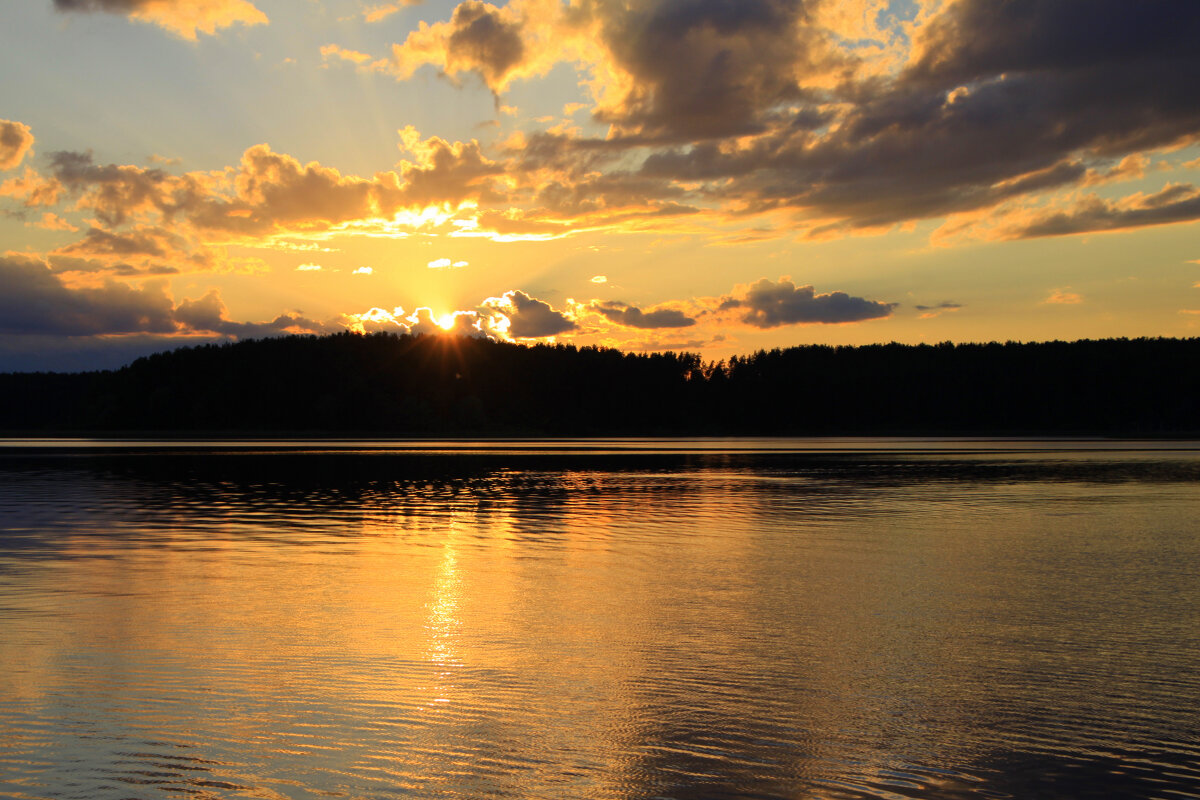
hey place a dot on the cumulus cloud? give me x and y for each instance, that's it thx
(114, 192)
(759, 106)
(479, 37)
(513, 315)
(15, 141)
(446, 263)
(31, 189)
(185, 18)
(719, 111)
(768, 304)
(529, 317)
(208, 314)
(634, 317)
(421, 322)
(272, 194)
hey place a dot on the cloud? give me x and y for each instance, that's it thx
(753, 107)
(115, 193)
(634, 317)
(269, 196)
(208, 314)
(701, 69)
(382, 11)
(273, 194)
(932, 312)
(766, 304)
(309, 268)
(1173, 204)
(599, 279)
(363, 271)
(717, 112)
(185, 18)
(143, 249)
(840, 117)
(140, 242)
(479, 37)
(31, 189)
(15, 141)
(444, 173)
(528, 317)
(446, 263)
(353, 56)
(422, 322)
(1063, 297)
(36, 302)
(53, 222)
(513, 315)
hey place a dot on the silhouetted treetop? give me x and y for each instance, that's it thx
(394, 384)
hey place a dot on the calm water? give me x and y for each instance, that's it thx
(627, 619)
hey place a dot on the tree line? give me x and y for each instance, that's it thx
(387, 384)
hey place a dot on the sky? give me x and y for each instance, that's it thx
(716, 176)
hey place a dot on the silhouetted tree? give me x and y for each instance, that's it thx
(400, 385)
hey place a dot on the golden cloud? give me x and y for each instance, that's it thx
(15, 141)
(184, 18)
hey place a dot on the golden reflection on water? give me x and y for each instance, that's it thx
(442, 625)
(713, 627)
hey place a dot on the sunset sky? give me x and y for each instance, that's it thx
(717, 176)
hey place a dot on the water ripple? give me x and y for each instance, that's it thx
(608, 622)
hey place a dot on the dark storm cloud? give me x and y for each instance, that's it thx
(768, 304)
(634, 317)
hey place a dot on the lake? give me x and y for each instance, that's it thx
(855, 618)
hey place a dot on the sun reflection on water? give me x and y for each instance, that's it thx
(442, 624)
(716, 627)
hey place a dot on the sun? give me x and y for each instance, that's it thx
(446, 321)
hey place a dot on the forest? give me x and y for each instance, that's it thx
(387, 384)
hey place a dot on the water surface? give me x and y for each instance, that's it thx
(614, 619)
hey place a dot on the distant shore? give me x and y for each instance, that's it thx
(410, 387)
